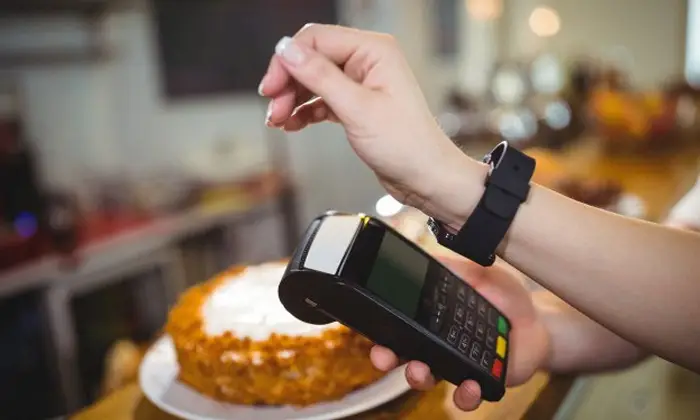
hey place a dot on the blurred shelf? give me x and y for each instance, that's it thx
(24, 8)
(126, 246)
(53, 57)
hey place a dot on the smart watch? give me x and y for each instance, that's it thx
(507, 186)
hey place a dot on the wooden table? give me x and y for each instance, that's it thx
(130, 404)
(659, 180)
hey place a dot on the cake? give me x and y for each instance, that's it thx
(236, 343)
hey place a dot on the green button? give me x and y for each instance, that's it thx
(502, 325)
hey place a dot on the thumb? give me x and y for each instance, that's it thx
(322, 77)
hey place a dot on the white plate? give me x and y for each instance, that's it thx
(629, 205)
(158, 380)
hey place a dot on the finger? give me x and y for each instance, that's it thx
(337, 43)
(275, 80)
(312, 112)
(467, 396)
(323, 77)
(419, 377)
(277, 107)
(383, 359)
(319, 110)
(285, 103)
(342, 44)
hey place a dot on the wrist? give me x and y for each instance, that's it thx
(457, 187)
(547, 349)
(548, 310)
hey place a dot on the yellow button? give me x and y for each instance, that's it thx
(501, 347)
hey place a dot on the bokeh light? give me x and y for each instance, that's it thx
(557, 115)
(388, 206)
(25, 225)
(484, 9)
(544, 22)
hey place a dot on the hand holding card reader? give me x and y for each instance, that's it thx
(359, 271)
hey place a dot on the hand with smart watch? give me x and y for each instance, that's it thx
(637, 279)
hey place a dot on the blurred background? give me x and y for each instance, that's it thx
(134, 159)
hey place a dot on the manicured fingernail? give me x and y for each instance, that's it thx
(289, 51)
(269, 112)
(261, 86)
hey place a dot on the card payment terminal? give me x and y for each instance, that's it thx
(359, 271)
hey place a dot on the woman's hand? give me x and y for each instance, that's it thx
(529, 339)
(362, 81)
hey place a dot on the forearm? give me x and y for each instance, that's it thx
(638, 279)
(578, 344)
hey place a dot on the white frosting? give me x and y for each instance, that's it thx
(247, 305)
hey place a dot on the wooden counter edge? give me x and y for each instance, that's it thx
(126, 402)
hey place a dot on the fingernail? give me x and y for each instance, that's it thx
(307, 26)
(269, 112)
(261, 86)
(417, 375)
(289, 51)
(472, 390)
(420, 374)
(410, 376)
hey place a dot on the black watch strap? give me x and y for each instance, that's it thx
(506, 187)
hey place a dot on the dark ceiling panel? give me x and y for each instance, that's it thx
(14, 7)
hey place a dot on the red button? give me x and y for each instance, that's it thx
(497, 368)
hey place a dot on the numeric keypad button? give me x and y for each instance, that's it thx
(475, 352)
(471, 299)
(490, 338)
(453, 334)
(486, 360)
(441, 299)
(470, 323)
(440, 308)
(461, 293)
(464, 343)
(480, 330)
(492, 317)
(460, 313)
(440, 302)
(481, 308)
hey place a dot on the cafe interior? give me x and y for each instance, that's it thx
(137, 173)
